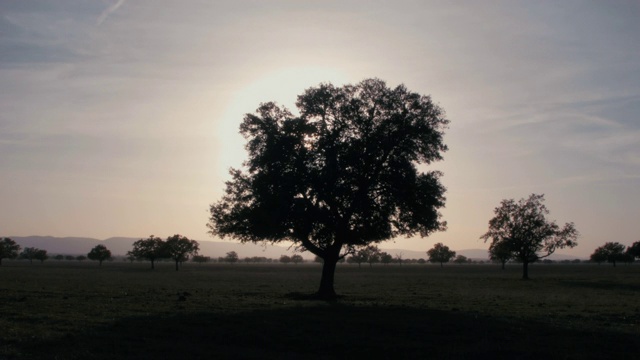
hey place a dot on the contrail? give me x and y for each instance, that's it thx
(105, 14)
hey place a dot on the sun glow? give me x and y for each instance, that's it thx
(281, 86)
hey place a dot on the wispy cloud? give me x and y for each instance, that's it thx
(105, 14)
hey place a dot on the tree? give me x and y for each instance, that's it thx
(371, 254)
(398, 258)
(99, 253)
(611, 252)
(526, 232)
(634, 250)
(461, 259)
(386, 258)
(500, 251)
(296, 259)
(440, 253)
(285, 259)
(59, 257)
(32, 253)
(81, 258)
(9, 249)
(69, 257)
(232, 257)
(41, 255)
(151, 248)
(179, 248)
(343, 174)
(200, 259)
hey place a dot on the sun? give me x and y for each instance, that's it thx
(282, 86)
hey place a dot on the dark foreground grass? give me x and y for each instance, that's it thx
(76, 311)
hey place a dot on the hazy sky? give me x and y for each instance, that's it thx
(120, 118)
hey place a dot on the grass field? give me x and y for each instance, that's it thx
(72, 310)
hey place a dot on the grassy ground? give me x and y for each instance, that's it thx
(70, 310)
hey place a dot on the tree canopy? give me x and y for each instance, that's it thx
(340, 175)
(610, 252)
(9, 249)
(99, 253)
(179, 248)
(151, 248)
(440, 253)
(523, 229)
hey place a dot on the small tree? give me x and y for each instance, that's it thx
(611, 252)
(231, 257)
(358, 258)
(69, 257)
(399, 259)
(59, 257)
(461, 259)
(527, 233)
(81, 258)
(99, 253)
(200, 259)
(179, 248)
(9, 249)
(634, 250)
(386, 258)
(372, 254)
(151, 248)
(41, 255)
(297, 258)
(500, 251)
(285, 259)
(31, 253)
(440, 253)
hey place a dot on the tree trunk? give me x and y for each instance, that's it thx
(152, 265)
(326, 291)
(441, 264)
(100, 262)
(177, 265)
(503, 264)
(525, 270)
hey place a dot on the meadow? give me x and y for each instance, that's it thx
(78, 310)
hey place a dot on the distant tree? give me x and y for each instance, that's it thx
(232, 257)
(41, 255)
(317, 259)
(30, 253)
(627, 258)
(59, 257)
(81, 258)
(151, 248)
(461, 259)
(341, 175)
(634, 250)
(386, 258)
(398, 258)
(200, 259)
(611, 252)
(527, 232)
(285, 259)
(9, 249)
(297, 258)
(179, 248)
(372, 254)
(358, 258)
(99, 253)
(500, 251)
(440, 253)
(421, 261)
(69, 257)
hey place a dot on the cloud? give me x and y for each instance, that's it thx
(111, 9)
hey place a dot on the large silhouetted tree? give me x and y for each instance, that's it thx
(523, 228)
(151, 249)
(440, 253)
(99, 253)
(32, 253)
(634, 250)
(179, 248)
(342, 174)
(9, 249)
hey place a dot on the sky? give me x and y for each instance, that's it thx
(120, 118)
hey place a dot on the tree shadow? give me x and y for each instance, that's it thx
(330, 331)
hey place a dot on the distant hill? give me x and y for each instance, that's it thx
(120, 245)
